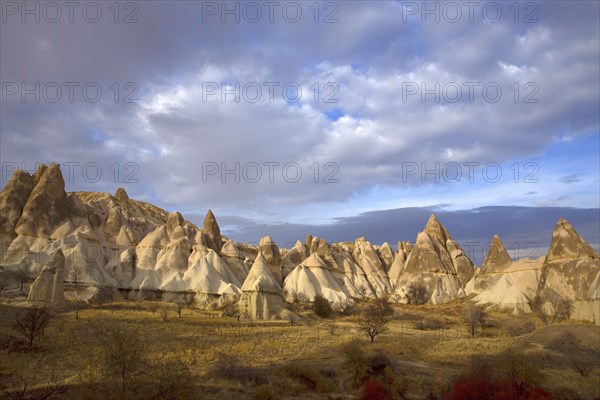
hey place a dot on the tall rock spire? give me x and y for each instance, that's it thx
(497, 257)
(212, 233)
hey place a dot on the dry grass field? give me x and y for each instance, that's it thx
(124, 350)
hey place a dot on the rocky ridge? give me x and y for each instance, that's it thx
(131, 245)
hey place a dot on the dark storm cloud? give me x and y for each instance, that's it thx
(527, 230)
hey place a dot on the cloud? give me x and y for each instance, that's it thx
(570, 179)
(352, 153)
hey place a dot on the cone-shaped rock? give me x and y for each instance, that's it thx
(387, 255)
(260, 278)
(47, 205)
(12, 200)
(436, 264)
(571, 272)
(270, 251)
(212, 232)
(497, 257)
(566, 243)
(261, 298)
(174, 220)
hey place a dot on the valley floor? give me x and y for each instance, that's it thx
(204, 356)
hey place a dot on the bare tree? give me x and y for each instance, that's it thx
(475, 316)
(346, 307)
(582, 368)
(139, 304)
(78, 306)
(153, 307)
(164, 313)
(76, 275)
(363, 293)
(5, 282)
(375, 317)
(33, 323)
(123, 355)
(23, 276)
(183, 302)
(41, 380)
(172, 380)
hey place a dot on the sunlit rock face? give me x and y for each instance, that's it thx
(436, 267)
(261, 293)
(571, 271)
(122, 243)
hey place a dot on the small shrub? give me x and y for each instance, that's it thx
(373, 390)
(520, 328)
(312, 379)
(322, 307)
(582, 368)
(164, 313)
(426, 324)
(171, 380)
(230, 367)
(332, 328)
(356, 359)
(264, 392)
(154, 306)
(507, 376)
(417, 294)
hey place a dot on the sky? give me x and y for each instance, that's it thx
(336, 118)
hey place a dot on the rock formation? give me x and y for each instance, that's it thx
(313, 277)
(497, 257)
(48, 287)
(212, 233)
(121, 195)
(128, 244)
(366, 257)
(436, 268)
(294, 257)
(272, 256)
(496, 261)
(512, 287)
(571, 271)
(261, 292)
(386, 255)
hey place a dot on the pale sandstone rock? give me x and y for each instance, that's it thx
(212, 232)
(48, 287)
(261, 292)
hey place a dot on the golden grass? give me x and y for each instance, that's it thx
(426, 360)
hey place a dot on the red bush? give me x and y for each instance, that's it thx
(375, 391)
(479, 386)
